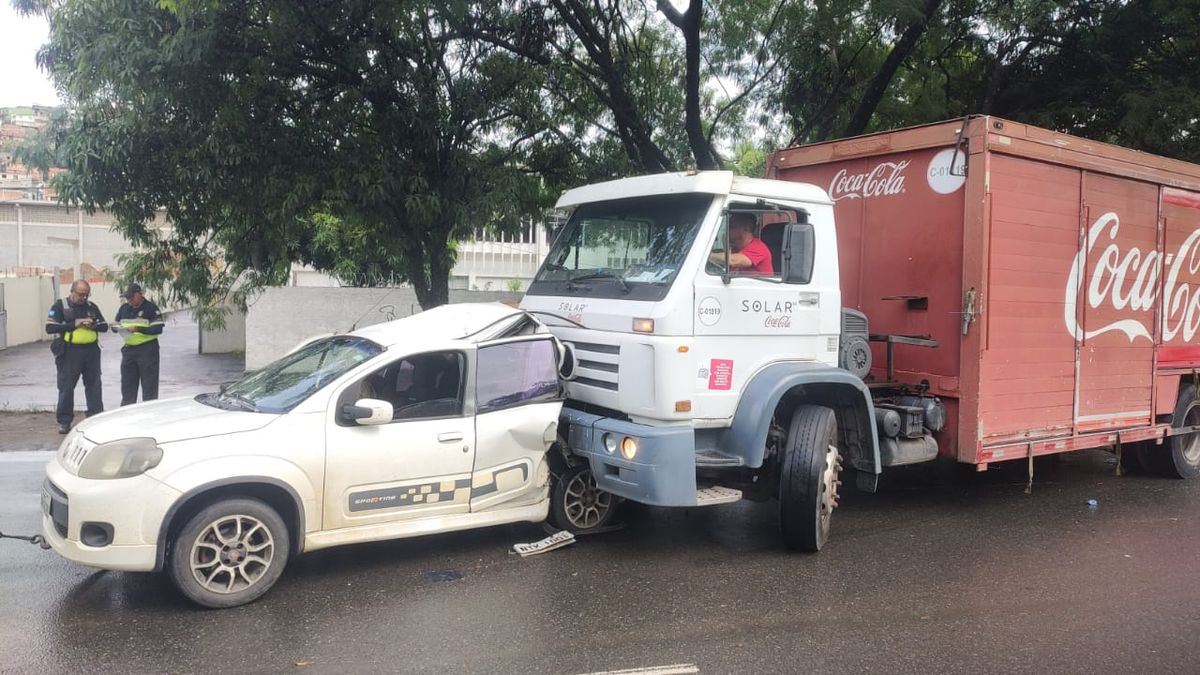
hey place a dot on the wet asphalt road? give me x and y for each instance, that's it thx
(936, 574)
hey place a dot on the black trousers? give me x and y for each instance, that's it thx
(139, 365)
(76, 361)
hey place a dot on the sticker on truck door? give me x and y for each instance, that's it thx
(720, 375)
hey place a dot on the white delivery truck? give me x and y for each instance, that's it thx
(693, 380)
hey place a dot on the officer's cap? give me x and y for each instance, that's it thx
(131, 289)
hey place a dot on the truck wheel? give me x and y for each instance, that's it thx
(1179, 456)
(229, 553)
(577, 505)
(808, 479)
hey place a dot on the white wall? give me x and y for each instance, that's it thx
(27, 301)
(281, 317)
(231, 338)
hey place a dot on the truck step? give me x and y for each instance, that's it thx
(715, 494)
(711, 458)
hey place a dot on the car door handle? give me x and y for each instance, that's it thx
(450, 437)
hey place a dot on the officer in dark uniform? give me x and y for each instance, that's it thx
(142, 324)
(77, 323)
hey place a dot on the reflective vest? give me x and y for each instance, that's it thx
(135, 339)
(82, 335)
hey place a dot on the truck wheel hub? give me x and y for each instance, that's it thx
(830, 482)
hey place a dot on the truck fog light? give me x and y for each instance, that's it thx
(610, 443)
(643, 325)
(629, 448)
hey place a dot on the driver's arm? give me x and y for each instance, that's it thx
(736, 260)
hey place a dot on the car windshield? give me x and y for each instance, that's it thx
(625, 248)
(282, 385)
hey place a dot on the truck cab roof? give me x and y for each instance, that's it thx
(711, 182)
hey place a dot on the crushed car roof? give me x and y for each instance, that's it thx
(473, 322)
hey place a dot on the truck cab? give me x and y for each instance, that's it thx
(693, 379)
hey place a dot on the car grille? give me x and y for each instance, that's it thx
(73, 451)
(599, 365)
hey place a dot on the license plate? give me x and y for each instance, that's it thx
(557, 540)
(45, 501)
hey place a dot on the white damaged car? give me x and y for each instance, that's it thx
(437, 422)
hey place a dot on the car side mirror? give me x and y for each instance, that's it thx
(368, 412)
(799, 250)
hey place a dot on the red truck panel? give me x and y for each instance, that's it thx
(1079, 260)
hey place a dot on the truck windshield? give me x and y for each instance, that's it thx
(624, 248)
(284, 384)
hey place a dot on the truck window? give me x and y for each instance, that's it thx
(423, 386)
(516, 373)
(757, 241)
(630, 249)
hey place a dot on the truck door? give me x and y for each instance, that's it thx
(798, 321)
(1116, 305)
(417, 466)
(518, 399)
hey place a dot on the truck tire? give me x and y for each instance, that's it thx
(229, 554)
(1179, 456)
(577, 504)
(808, 479)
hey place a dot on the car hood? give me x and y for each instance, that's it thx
(174, 419)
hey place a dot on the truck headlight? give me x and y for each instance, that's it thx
(121, 459)
(610, 443)
(629, 448)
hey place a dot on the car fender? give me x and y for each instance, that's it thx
(222, 473)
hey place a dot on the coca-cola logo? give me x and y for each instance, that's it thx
(1128, 278)
(887, 178)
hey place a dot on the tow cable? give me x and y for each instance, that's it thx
(35, 539)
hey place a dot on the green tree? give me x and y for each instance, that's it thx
(360, 137)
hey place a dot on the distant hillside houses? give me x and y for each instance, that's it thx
(18, 182)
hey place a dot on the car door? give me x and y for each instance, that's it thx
(518, 400)
(416, 466)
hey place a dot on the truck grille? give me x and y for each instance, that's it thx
(599, 365)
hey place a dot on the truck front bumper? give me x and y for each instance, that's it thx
(662, 473)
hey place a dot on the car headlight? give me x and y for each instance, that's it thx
(121, 459)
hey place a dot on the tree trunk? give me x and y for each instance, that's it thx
(689, 24)
(887, 72)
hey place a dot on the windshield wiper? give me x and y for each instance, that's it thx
(601, 275)
(246, 403)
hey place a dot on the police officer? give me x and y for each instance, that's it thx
(77, 323)
(139, 356)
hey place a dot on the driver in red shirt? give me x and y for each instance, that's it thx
(748, 254)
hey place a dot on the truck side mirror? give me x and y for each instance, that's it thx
(799, 249)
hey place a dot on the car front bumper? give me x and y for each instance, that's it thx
(131, 508)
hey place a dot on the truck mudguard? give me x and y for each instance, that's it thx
(814, 383)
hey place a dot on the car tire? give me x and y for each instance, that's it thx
(808, 479)
(1179, 456)
(577, 504)
(230, 553)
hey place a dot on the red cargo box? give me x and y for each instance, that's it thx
(1058, 276)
